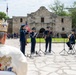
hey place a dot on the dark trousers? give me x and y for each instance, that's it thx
(22, 48)
(69, 44)
(48, 42)
(33, 47)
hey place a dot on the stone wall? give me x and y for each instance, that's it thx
(41, 19)
(9, 25)
(63, 26)
(17, 23)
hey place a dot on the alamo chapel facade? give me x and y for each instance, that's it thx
(41, 19)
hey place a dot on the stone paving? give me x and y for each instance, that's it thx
(50, 64)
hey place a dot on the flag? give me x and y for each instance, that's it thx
(27, 27)
(7, 9)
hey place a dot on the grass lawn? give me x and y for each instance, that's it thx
(55, 40)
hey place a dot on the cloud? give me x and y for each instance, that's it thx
(23, 7)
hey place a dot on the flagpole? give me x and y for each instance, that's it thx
(7, 9)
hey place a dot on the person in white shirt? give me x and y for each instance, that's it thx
(11, 58)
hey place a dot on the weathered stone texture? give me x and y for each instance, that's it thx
(59, 24)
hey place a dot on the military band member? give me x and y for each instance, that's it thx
(11, 59)
(33, 35)
(48, 39)
(71, 38)
(23, 38)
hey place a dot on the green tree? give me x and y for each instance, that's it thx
(72, 11)
(58, 8)
(3, 15)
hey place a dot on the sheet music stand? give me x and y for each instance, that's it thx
(40, 36)
(63, 52)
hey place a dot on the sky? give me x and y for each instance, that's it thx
(24, 7)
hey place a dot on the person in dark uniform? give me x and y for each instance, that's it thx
(48, 39)
(71, 38)
(23, 41)
(33, 35)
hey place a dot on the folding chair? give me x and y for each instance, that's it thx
(7, 73)
(72, 51)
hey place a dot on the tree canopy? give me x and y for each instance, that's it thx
(72, 11)
(3, 15)
(58, 8)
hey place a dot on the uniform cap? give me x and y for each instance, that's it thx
(73, 30)
(33, 28)
(22, 25)
(48, 27)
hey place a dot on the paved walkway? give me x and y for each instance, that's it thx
(50, 64)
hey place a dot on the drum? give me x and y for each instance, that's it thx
(7, 73)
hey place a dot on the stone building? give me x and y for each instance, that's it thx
(10, 28)
(41, 19)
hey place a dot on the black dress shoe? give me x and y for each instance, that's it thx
(70, 48)
(36, 52)
(50, 52)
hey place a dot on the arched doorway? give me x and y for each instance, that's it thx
(42, 30)
(41, 33)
